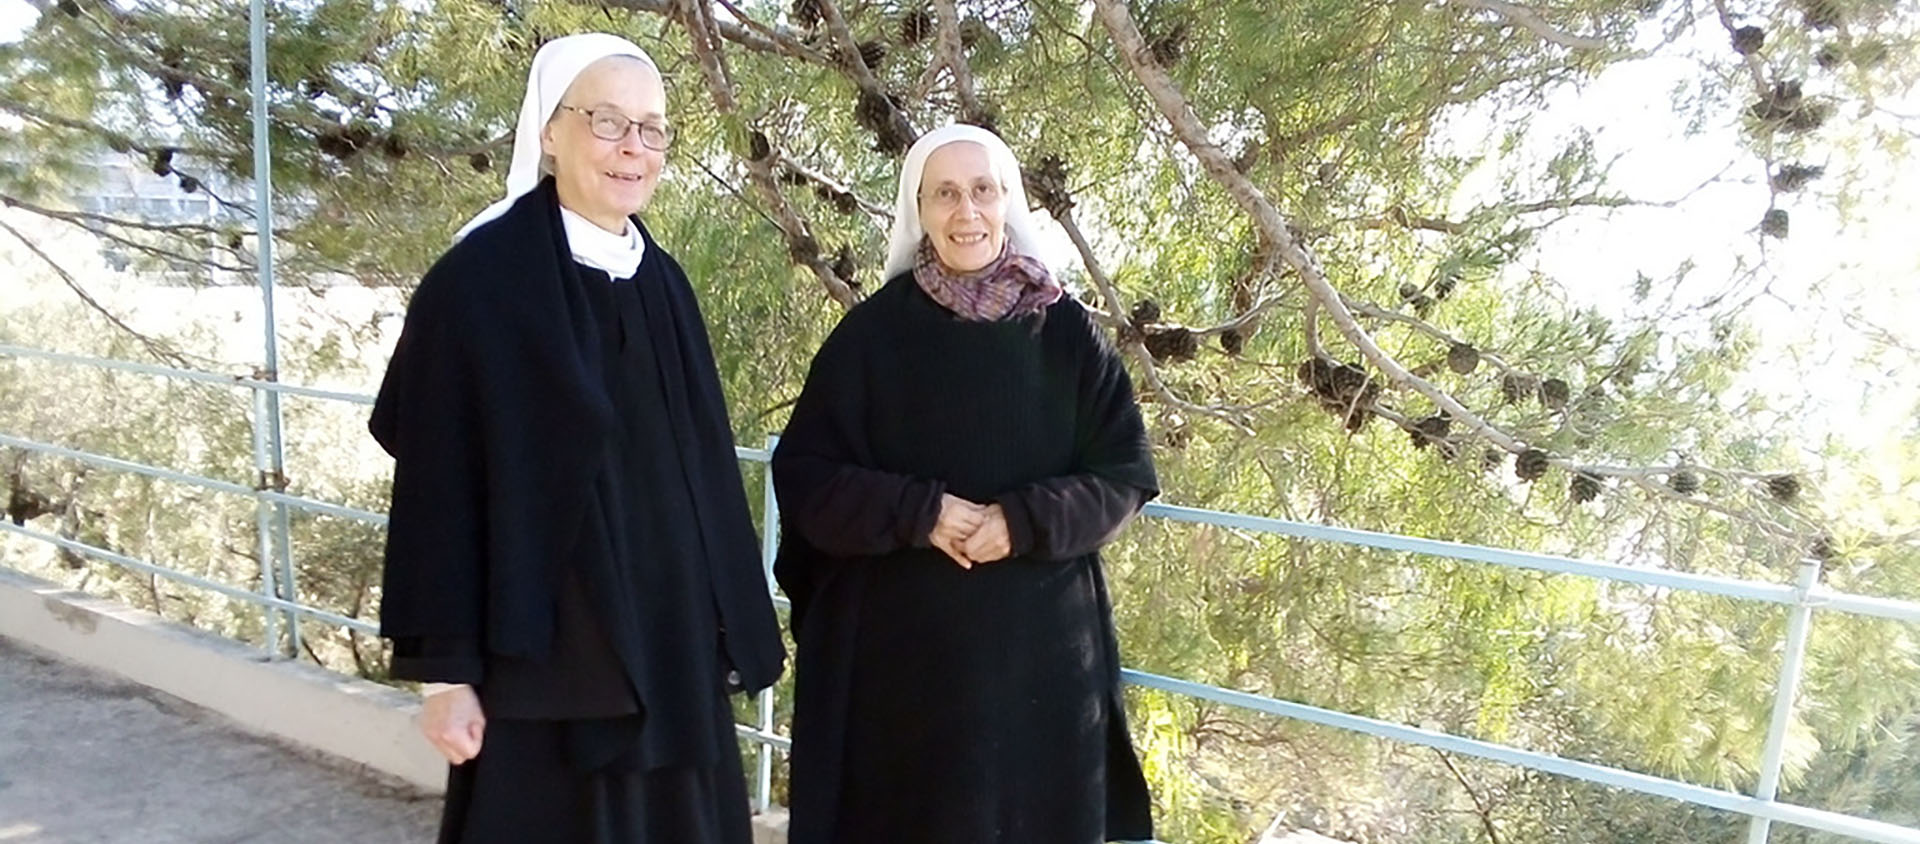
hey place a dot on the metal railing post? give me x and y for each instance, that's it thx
(1799, 620)
(271, 519)
(769, 546)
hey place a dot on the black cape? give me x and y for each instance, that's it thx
(496, 408)
(935, 704)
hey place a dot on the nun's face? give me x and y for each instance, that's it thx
(601, 180)
(963, 206)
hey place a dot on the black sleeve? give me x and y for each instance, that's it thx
(827, 492)
(1074, 514)
(437, 660)
(1068, 516)
(433, 581)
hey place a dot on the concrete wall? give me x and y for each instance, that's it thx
(342, 716)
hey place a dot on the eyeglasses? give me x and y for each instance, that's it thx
(985, 194)
(609, 125)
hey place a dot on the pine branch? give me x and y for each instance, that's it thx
(1272, 226)
(760, 39)
(1533, 22)
(82, 221)
(881, 213)
(952, 54)
(156, 348)
(1129, 339)
(1480, 806)
(696, 16)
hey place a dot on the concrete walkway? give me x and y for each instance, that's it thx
(86, 758)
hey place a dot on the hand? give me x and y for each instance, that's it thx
(990, 543)
(959, 518)
(452, 722)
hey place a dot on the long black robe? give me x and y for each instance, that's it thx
(935, 704)
(569, 533)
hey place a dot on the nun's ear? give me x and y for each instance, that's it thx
(547, 142)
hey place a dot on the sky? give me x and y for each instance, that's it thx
(1830, 265)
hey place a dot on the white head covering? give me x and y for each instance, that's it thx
(555, 67)
(903, 246)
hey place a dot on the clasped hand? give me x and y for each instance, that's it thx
(971, 533)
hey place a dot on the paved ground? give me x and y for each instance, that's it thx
(86, 758)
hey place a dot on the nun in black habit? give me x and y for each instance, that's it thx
(571, 565)
(966, 441)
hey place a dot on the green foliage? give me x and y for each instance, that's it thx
(390, 127)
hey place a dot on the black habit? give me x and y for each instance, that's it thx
(569, 534)
(935, 704)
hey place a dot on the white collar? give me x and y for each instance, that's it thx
(619, 254)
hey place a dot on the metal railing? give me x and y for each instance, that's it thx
(276, 595)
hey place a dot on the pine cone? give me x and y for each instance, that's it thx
(845, 203)
(1783, 488)
(1792, 177)
(1232, 341)
(1463, 359)
(1780, 103)
(789, 176)
(1748, 40)
(1823, 14)
(1430, 430)
(1531, 465)
(189, 184)
(1047, 184)
(1554, 393)
(758, 147)
(806, 13)
(1583, 488)
(1145, 312)
(1516, 387)
(1774, 224)
(1684, 481)
(162, 162)
(1171, 344)
(1808, 117)
(1168, 49)
(872, 53)
(916, 26)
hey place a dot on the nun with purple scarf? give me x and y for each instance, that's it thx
(966, 442)
(571, 568)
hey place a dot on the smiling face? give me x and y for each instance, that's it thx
(963, 206)
(605, 181)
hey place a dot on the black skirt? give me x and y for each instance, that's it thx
(584, 782)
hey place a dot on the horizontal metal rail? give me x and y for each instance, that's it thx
(228, 487)
(1779, 594)
(1773, 593)
(1588, 771)
(186, 374)
(193, 580)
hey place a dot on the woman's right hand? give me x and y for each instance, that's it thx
(959, 518)
(453, 723)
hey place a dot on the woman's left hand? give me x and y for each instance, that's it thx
(989, 543)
